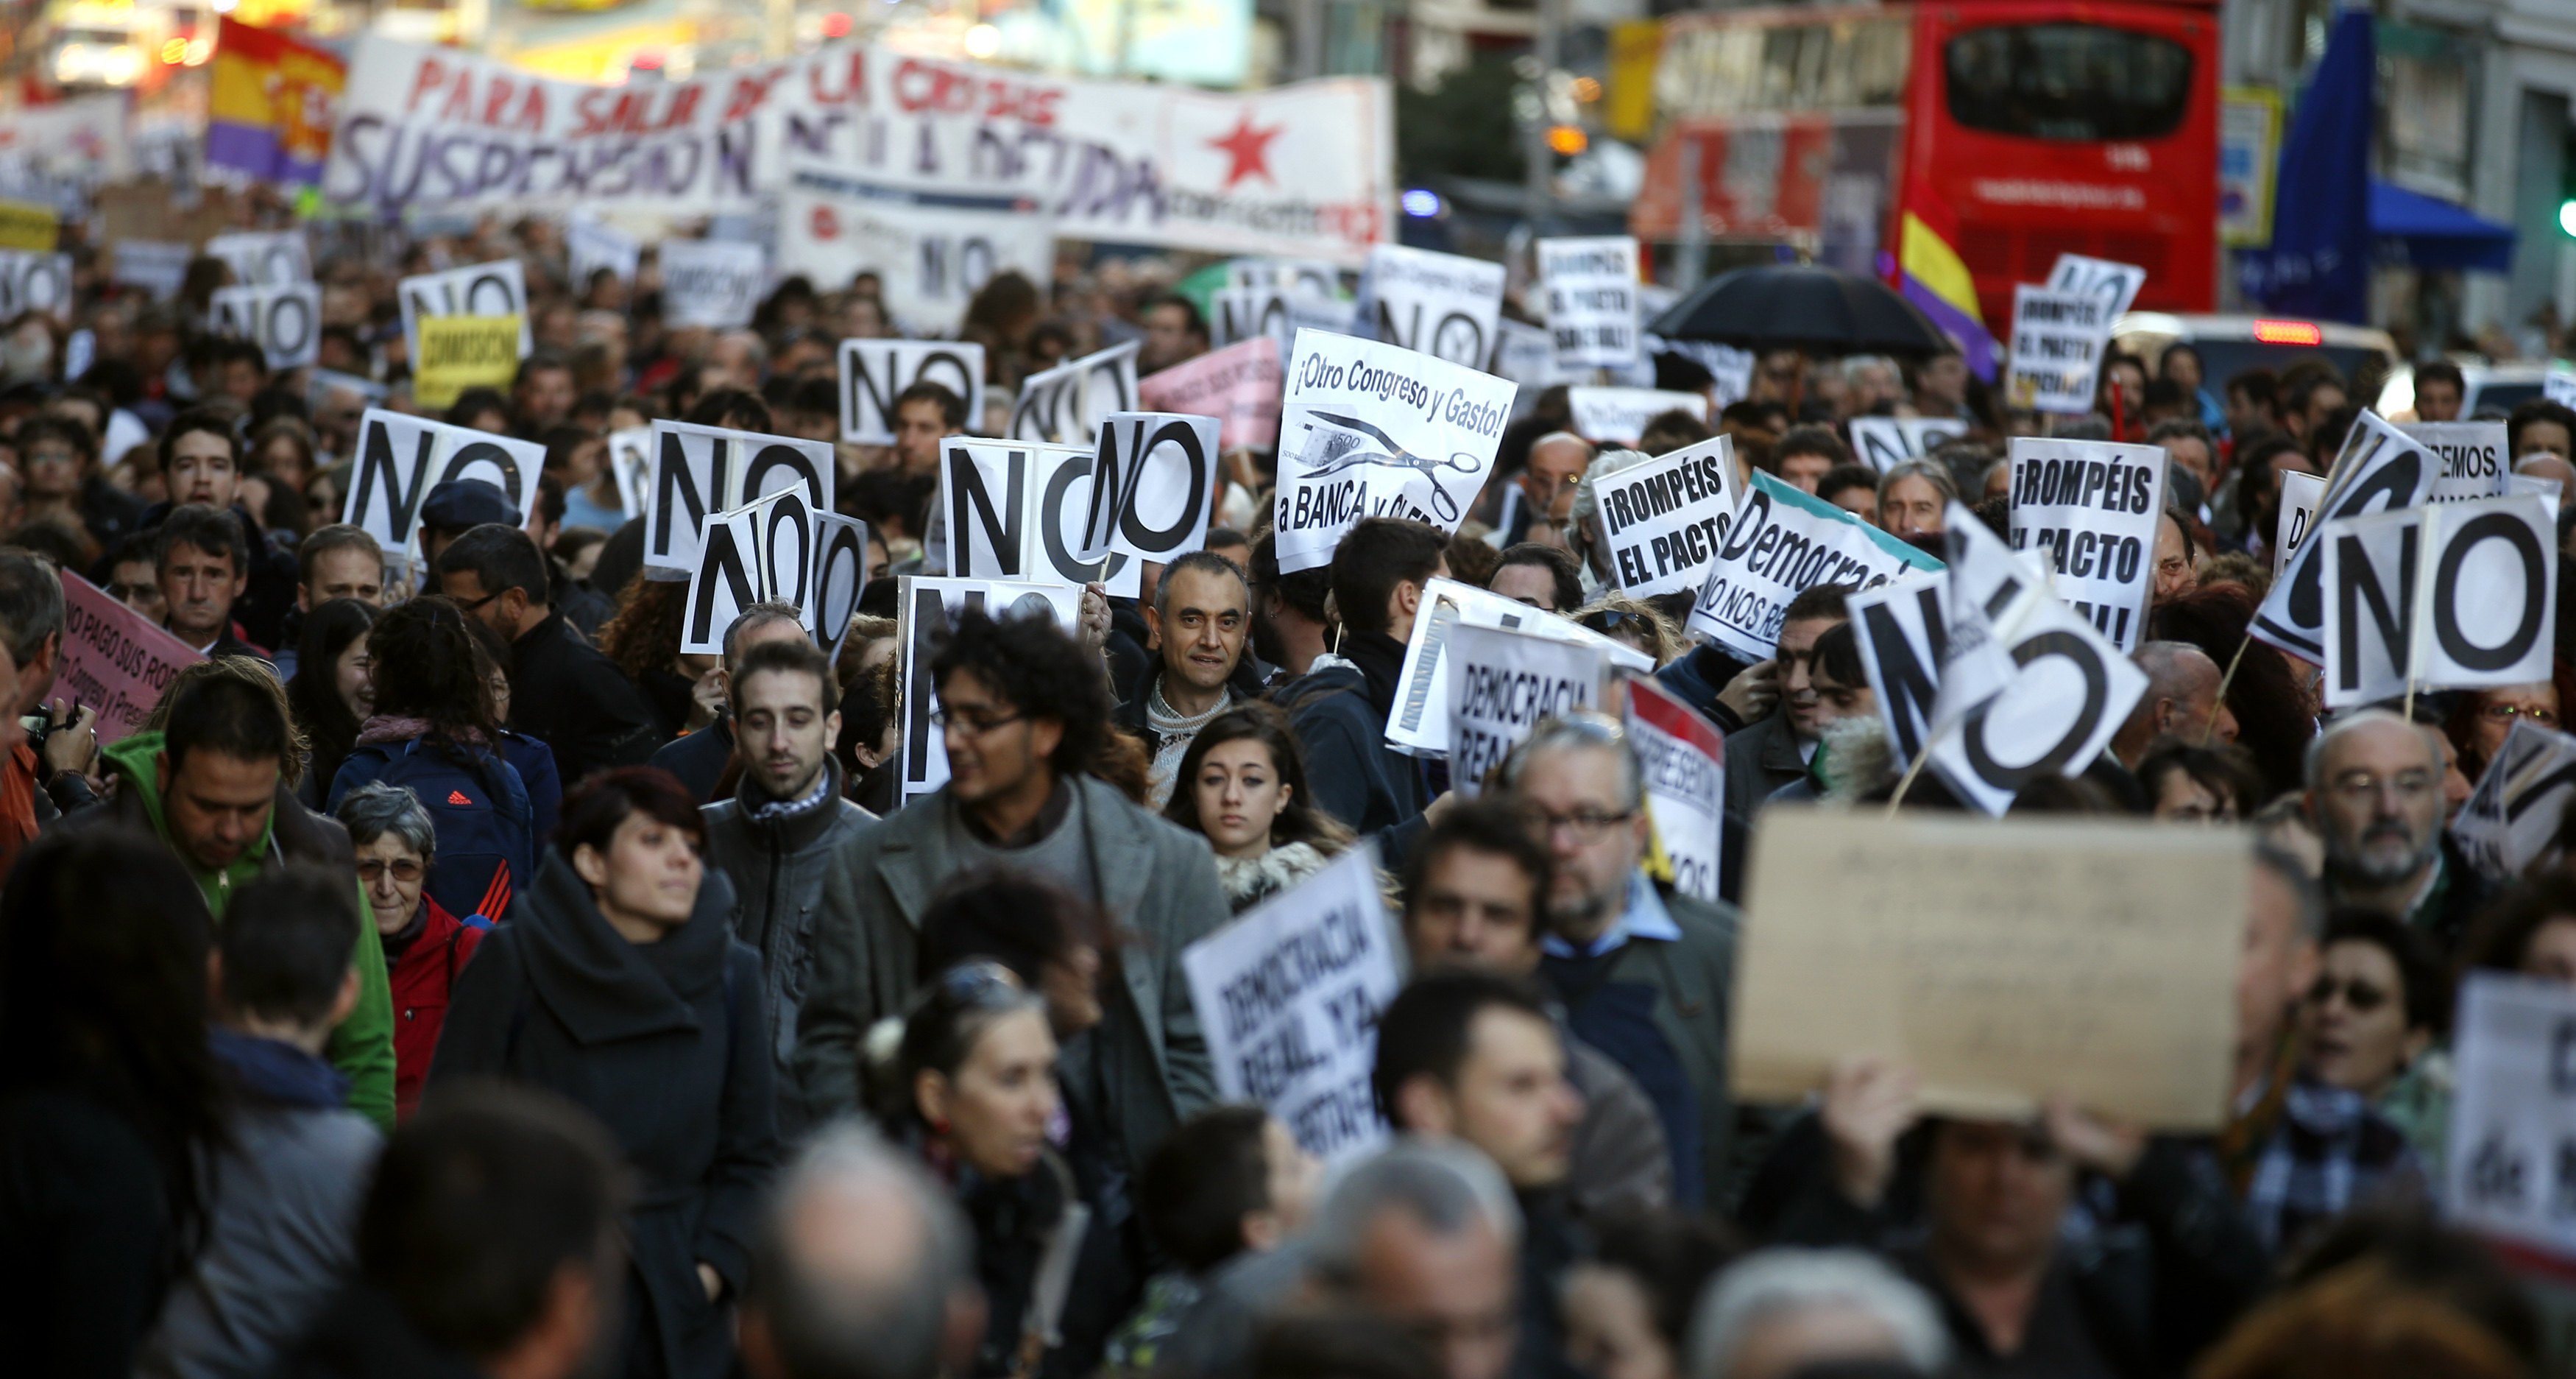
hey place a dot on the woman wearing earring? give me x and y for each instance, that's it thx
(1242, 784)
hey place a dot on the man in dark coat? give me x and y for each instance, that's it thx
(1339, 708)
(1773, 751)
(700, 759)
(563, 692)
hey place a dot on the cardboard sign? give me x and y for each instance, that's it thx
(1591, 286)
(264, 258)
(113, 660)
(2300, 494)
(699, 471)
(711, 282)
(2381, 468)
(593, 247)
(461, 352)
(2058, 339)
(2513, 1113)
(1660, 523)
(1371, 430)
(1066, 404)
(2090, 509)
(2456, 596)
(2512, 820)
(931, 255)
(1153, 485)
(1782, 543)
(2116, 284)
(1015, 511)
(285, 322)
(499, 288)
(1442, 305)
(1418, 722)
(2473, 462)
(1502, 684)
(1618, 416)
(925, 610)
(1683, 757)
(35, 282)
(1883, 443)
(875, 372)
(401, 458)
(2004, 964)
(1238, 385)
(1288, 995)
(153, 266)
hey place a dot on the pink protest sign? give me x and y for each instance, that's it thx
(1238, 385)
(113, 660)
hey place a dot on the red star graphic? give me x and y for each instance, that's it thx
(1250, 150)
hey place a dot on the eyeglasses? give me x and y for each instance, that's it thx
(2361, 996)
(2507, 713)
(1588, 825)
(941, 718)
(405, 871)
(469, 605)
(980, 983)
(2361, 785)
(1604, 619)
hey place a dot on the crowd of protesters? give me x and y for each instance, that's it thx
(453, 976)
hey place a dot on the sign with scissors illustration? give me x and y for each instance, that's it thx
(1354, 409)
(1347, 443)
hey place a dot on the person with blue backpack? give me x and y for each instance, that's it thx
(433, 733)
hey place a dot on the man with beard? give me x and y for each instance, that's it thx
(2375, 798)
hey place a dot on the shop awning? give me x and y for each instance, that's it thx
(2433, 233)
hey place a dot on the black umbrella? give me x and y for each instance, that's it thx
(1794, 306)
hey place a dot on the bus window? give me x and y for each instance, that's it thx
(2068, 82)
(1733, 69)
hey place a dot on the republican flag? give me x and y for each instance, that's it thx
(271, 107)
(1931, 274)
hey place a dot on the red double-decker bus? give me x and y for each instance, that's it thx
(2026, 128)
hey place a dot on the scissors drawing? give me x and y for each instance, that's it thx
(1345, 449)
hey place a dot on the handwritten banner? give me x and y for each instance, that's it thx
(1238, 385)
(113, 660)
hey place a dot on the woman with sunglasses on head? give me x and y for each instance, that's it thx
(425, 946)
(1628, 619)
(2373, 1024)
(1242, 785)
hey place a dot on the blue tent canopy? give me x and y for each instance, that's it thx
(2436, 234)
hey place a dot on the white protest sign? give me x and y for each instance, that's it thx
(926, 610)
(1418, 722)
(1502, 684)
(875, 372)
(285, 322)
(35, 282)
(2116, 284)
(2513, 818)
(2456, 596)
(2072, 692)
(1683, 759)
(630, 457)
(1288, 995)
(2380, 468)
(1935, 647)
(2547, 490)
(1660, 523)
(1591, 286)
(1782, 543)
(1312, 277)
(2091, 508)
(2474, 464)
(1371, 430)
(1275, 310)
(401, 458)
(1442, 305)
(1885, 442)
(930, 257)
(1014, 510)
(2300, 494)
(1730, 370)
(594, 247)
(1065, 405)
(264, 258)
(1152, 488)
(2559, 386)
(1618, 416)
(762, 552)
(153, 266)
(711, 282)
(498, 288)
(699, 471)
(1526, 355)
(2513, 1113)
(2058, 339)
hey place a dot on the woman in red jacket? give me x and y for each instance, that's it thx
(425, 946)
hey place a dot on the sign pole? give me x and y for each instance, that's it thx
(1921, 755)
(2211, 729)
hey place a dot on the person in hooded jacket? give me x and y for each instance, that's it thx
(617, 982)
(1340, 706)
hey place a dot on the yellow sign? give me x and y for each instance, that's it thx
(461, 352)
(1636, 49)
(26, 225)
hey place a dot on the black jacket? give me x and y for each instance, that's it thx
(84, 1210)
(269, 595)
(699, 759)
(668, 1044)
(564, 693)
(1339, 716)
(364, 1335)
(1019, 1223)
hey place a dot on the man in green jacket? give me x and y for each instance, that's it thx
(212, 786)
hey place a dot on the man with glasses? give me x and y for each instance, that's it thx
(563, 692)
(1556, 464)
(1645, 971)
(2375, 798)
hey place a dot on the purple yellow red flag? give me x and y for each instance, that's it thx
(273, 103)
(1931, 274)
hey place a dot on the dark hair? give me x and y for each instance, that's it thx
(1201, 1180)
(2426, 985)
(1040, 672)
(594, 808)
(1810, 440)
(1376, 555)
(501, 558)
(2226, 769)
(1844, 477)
(314, 693)
(952, 408)
(790, 658)
(31, 603)
(103, 941)
(645, 632)
(2500, 937)
(1019, 920)
(339, 536)
(1493, 827)
(539, 361)
(1424, 1031)
(1671, 1255)
(1821, 601)
(563, 441)
(1837, 654)
(70, 431)
(1342, 1342)
(1191, 320)
(478, 1202)
(286, 942)
(2537, 409)
(1305, 590)
(2441, 371)
(1557, 561)
(474, 402)
(426, 668)
(1299, 820)
(948, 1015)
(2297, 393)
(204, 419)
(1670, 430)
(1206, 563)
(206, 529)
(2260, 386)
(734, 408)
(2272, 718)
(2180, 428)
(226, 715)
